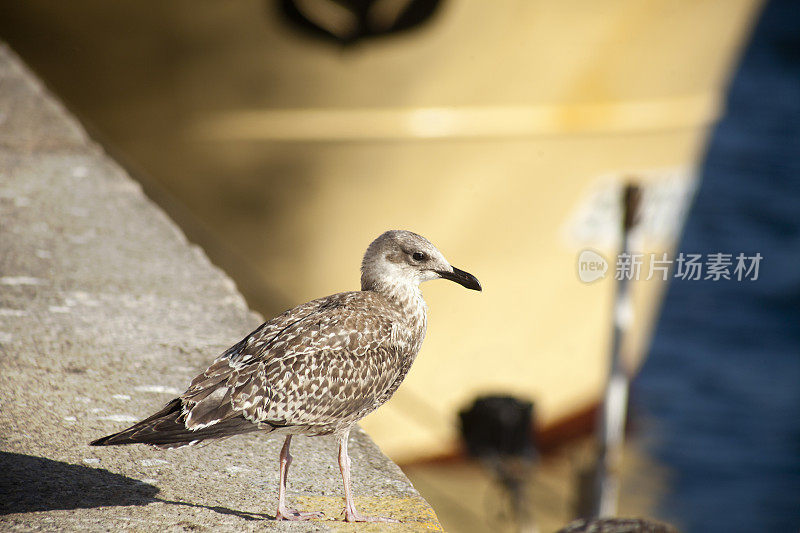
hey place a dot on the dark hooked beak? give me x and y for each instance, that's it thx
(462, 278)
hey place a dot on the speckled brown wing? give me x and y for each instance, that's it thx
(205, 401)
(316, 368)
(327, 383)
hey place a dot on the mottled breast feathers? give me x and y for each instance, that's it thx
(317, 368)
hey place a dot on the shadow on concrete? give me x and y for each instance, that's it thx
(29, 483)
(222, 510)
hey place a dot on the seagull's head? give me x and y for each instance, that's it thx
(401, 257)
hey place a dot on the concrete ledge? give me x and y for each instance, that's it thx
(106, 313)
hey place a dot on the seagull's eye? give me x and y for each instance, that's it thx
(419, 256)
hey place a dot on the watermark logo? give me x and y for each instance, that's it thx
(591, 266)
(692, 267)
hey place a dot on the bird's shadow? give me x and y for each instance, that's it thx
(246, 515)
(29, 483)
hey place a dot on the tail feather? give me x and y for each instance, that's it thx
(167, 429)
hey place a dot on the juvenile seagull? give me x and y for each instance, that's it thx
(316, 369)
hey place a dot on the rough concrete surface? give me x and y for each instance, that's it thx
(106, 313)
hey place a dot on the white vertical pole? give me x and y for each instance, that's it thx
(611, 431)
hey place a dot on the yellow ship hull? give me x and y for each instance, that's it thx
(501, 131)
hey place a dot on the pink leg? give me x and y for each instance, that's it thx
(350, 512)
(287, 513)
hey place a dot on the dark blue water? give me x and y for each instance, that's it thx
(720, 391)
